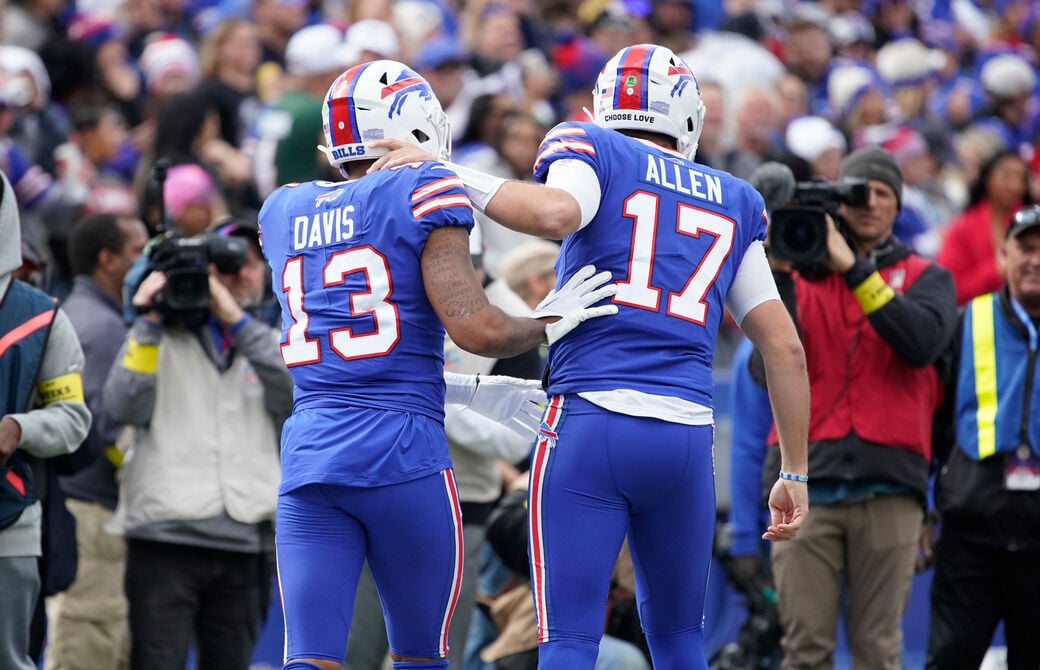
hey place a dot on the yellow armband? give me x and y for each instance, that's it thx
(873, 293)
(66, 387)
(114, 455)
(142, 358)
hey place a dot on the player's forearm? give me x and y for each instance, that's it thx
(495, 334)
(788, 384)
(535, 209)
(772, 332)
(526, 207)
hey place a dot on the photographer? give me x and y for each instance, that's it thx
(872, 325)
(199, 486)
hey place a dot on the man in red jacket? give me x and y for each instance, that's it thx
(872, 330)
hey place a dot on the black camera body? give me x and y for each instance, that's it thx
(798, 230)
(184, 300)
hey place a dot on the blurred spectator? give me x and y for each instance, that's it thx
(808, 51)
(1010, 82)
(614, 27)
(197, 496)
(671, 22)
(988, 487)
(969, 248)
(230, 56)
(578, 62)
(289, 131)
(794, 98)
(373, 39)
(87, 623)
(169, 64)
(29, 88)
(712, 145)
(756, 133)
(192, 200)
(529, 270)
(736, 56)
(872, 328)
(892, 19)
(187, 130)
(475, 144)
(852, 36)
(277, 21)
(30, 23)
(44, 416)
(82, 167)
(854, 99)
(817, 141)
(496, 38)
(910, 69)
(444, 64)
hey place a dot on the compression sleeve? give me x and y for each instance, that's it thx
(580, 180)
(753, 284)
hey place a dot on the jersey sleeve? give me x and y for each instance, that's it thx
(567, 140)
(439, 198)
(757, 215)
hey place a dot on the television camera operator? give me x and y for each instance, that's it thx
(203, 384)
(874, 319)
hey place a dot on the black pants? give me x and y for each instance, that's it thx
(973, 588)
(178, 594)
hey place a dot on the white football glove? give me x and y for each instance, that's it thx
(571, 302)
(515, 403)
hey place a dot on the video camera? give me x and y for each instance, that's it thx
(185, 261)
(798, 230)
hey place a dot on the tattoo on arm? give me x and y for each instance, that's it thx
(447, 270)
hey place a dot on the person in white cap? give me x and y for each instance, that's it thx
(287, 132)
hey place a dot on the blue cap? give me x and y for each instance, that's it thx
(438, 52)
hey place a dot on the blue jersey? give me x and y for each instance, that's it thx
(358, 331)
(672, 233)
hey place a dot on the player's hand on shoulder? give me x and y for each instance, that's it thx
(515, 403)
(399, 154)
(572, 304)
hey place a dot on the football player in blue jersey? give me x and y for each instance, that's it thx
(625, 446)
(369, 273)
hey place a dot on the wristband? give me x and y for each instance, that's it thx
(790, 476)
(480, 186)
(873, 293)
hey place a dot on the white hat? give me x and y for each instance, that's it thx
(317, 50)
(809, 136)
(845, 85)
(908, 61)
(16, 59)
(375, 36)
(1007, 75)
(850, 27)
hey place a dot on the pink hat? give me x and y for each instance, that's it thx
(185, 185)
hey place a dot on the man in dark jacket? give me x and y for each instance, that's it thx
(988, 489)
(88, 626)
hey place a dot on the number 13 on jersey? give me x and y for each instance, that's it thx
(301, 347)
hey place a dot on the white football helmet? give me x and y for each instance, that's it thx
(647, 87)
(377, 100)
